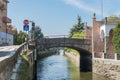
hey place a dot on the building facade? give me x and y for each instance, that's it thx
(101, 34)
(6, 30)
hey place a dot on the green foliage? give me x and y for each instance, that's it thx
(77, 31)
(78, 35)
(15, 37)
(19, 38)
(24, 72)
(113, 18)
(36, 33)
(79, 27)
(116, 38)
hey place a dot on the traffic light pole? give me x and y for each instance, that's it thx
(35, 65)
(34, 54)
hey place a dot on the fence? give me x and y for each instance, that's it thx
(106, 56)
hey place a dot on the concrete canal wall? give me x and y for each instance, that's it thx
(75, 58)
(107, 67)
(44, 54)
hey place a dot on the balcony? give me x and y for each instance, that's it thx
(6, 19)
(2, 6)
(6, 1)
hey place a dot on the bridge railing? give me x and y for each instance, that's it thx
(67, 36)
(57, 36)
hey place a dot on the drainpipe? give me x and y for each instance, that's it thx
(94, 21)
(105, 44)
(6, 20)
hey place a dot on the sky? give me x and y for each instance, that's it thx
(56, 17)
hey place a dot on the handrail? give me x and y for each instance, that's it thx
(66, 36)
(11, 60)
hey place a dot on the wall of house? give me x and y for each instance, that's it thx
(102, 29)
(98, 45)
(4, 20)
(3, 38)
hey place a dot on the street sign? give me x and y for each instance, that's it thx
(26, 21)
(26, 27)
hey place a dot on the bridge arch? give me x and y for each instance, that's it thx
(83, 46)
(85, 58)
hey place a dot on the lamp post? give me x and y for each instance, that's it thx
(6, 21)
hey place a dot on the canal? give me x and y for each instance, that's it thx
(59, 67)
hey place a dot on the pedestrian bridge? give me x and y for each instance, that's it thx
(77, 44)
(83, 46)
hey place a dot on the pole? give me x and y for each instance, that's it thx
(6, 22)
(34, 55)
(35, 66)
(102, 8)
(6, 33)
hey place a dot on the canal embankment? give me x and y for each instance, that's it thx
(108, 68)
(75, 58)
(43, 54)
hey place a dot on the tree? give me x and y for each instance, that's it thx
(77, 28)
(77, 31)
(19, 38)
(113, 18)
(15, 40)
(36, 33)
(116, 38)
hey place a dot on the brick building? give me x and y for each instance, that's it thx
(101, 34)
(6, 30)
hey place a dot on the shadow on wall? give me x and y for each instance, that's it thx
(85, 61)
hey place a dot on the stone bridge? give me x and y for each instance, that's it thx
(83, 46)
(78, 44)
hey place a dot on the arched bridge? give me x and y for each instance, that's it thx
(83, 46)
(77, 44)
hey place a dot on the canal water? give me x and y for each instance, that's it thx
(59, 67)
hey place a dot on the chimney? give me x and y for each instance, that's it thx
(105, 20)
(85, 23)
(94, 17)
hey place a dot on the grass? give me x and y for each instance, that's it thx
(23, 73)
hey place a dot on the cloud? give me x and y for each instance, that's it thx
(81, 5)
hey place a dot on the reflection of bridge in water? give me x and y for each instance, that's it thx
(82, 45)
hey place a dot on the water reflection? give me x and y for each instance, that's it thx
(53, 68)
(60, 68)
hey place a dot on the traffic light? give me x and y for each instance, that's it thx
(33, 24)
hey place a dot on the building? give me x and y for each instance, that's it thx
(6, 30)
(101, 34)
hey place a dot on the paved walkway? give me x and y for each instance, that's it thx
(7, 51)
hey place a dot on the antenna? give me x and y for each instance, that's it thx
(102, 9)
